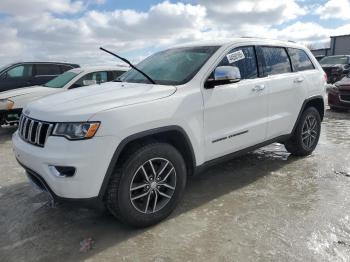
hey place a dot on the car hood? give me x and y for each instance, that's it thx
(32, 90)
(343, 84)
(81, 103)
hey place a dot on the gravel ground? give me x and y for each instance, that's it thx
(263, 206)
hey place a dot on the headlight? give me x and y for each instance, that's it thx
(7, 104)
(76, 131)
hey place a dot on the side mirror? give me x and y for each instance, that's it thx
(89, 82)
(224, 75)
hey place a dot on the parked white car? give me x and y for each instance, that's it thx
(12, 102)
(133, 144)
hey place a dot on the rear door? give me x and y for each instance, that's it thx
(45, 72)
(235, 115)
(286, 90)
(16, 77)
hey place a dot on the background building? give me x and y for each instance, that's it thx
(340, 45)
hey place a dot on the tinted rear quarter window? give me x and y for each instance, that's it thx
(300, 60)
(65, 68)
(47, 69)
(246, 63)
(275, 60)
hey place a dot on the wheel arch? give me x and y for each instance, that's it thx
(175, 135)
(315, 101)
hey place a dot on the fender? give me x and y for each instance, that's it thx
(303, 108)
(134, 137)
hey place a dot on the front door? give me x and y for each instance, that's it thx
(235, 115)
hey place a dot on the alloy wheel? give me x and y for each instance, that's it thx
(153, 185)
(309, 132)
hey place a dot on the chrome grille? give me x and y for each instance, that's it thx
(33, 131)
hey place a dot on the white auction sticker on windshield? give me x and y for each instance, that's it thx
(235, 56)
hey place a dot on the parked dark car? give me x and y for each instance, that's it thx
(30, 73)
(336, 67)
(339, 95)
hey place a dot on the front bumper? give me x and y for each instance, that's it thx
(91, 159)
(10, 116)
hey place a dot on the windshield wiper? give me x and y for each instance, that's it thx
(130, 64)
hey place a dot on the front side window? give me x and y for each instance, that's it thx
(113, 75)
(97, 77)
(244, 58)
(300, 60)
(47, 70)
(61, 80)
(175, 66)
(275, 60)
(20, 71)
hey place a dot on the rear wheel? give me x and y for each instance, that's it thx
(148, 186)
(307, 133)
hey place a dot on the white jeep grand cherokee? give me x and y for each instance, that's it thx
(132, 144)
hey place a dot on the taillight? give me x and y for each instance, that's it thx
(325, 77)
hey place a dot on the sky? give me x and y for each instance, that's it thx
(73, 30)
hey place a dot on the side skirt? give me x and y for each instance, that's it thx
(206, 165)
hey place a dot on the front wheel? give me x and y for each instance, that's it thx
(307, 133)
(148, 186)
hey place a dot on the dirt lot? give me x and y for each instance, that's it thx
(264, 206)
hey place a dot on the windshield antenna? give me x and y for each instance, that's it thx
(130, 64)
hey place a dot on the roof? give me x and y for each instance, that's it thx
(89, 69)
(338, 55)
(231, 41)
(319, 49)
(340, 36)
(42, 62)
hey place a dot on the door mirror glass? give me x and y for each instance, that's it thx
(89, 82)
(227, 73)
(224, 75)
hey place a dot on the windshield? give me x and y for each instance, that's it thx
(171, 67)
(4, 67)
(334, 60)
(61, 80)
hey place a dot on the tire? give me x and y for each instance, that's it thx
(306, 135)
(123, 192)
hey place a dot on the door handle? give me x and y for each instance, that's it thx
(258, 88)
(298, 80)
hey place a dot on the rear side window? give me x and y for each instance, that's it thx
(300, 60)
(275, 60)
(20, 71)
(47, 70)
(244, 58)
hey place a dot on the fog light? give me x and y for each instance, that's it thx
(62, 171)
